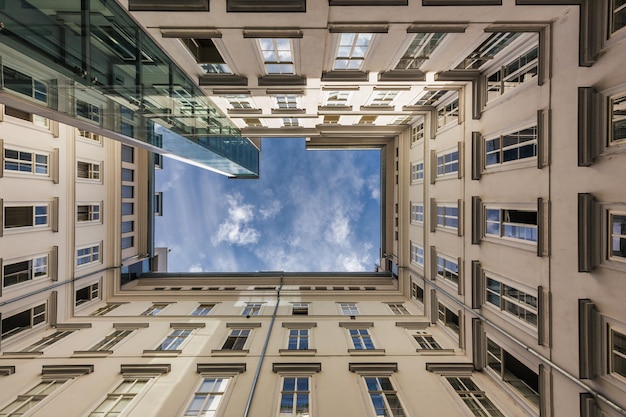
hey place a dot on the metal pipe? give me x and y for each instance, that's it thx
(262, 357)
(538, 355)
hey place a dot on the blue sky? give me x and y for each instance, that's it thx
(308, 211)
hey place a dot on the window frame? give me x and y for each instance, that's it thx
(522, 70)
(94, 291)
(111, 340)
(300, 306)
(447, 220)
(348, 309)
(275, 50)
(417, 215)
(477, 396)
(420, 52)
(31, 269)
(384, 394)
(398, 309)
(338, 101)
(426, 342)
(34, 164)
(93, 212)
(33, 316)
(418, 132)
(442, 266)
(155, 309)
(361, 339)
(502, 224)
(252, 309)
(505, 300)
(92, 256)
(298, 339)
(34, 396)
(201, 307)
(128, 394)
(612, 12)
(296, 393)
(445, 163)
(415, 254)
(621, 97)
(35, 206)
(343, 44)
(175, 339)
(232, 342)
(209, 396)
(448, 112)
(417, 172)
(93, 171)
(500, 150)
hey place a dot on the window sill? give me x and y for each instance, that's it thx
(92, 353)
(447, 127)
(530, 247)
(417, 182)
(228, 352)
(23, 355)
(366, 352)
(447, 177)
(435, 352)
(26, 175)
(161, 353)
(298, 352)
(511, 94)
(446, 229)
(511, 166)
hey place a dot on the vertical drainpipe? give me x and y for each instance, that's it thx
(262, 358)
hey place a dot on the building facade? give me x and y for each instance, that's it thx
(502, 132)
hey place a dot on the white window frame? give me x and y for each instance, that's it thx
(212, 398)
(252, 309)
(446, 163)
(104, 310)
(342, 98)
(384, 395)
(94, 111)
(92, 254)
(94, 212)
(447, 219)
(348, 309)
(398, 309)
(300, 307)
(444, 272)
(612, 12)
(620, 99)
(155, 309)
(94, 291)
(383, 97)
(94, 171)
(417, 213)
(613, 234)
(500, 150)
(38, 95)
(422, 46)
(300, 337)
(34, 397)
(175, 340)
(426, 341)
(508, 303)
(203, 309)
(46, 341)
(449, 112)
(291, 122)
(477, 397)
(296, 394)
(37, 262)
(442, 310)
(287, 101)
(111, 340)
(502, 85)
(268, 64)
(34, 316)
(35, 166)
(349, 50)
(613, 353)
(502, 223)
(240, 101)
(36, 216)
(237, 334)
(417, 254)
(417, 172)
(88, 137)
(417, 133)
(361, 338)
(113, 398)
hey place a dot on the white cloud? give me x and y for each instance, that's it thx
(373, 184)
(235, 230)
(271, 211)
(195, 268)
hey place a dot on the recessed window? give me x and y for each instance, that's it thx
(87, 294)
(127, 242)
(206, 55)
(448, 163)
(398, 309)
(207, 399)
(252, 122)
(240, 101)
(88, 111)
(154, 309)
(349, 309)
(513, 301)
(47, 341)
(448, 269)
(448, 216)
(618, 115)
(174, 339)
(128, 209)
(294, 396)
(420, 49)
(203, 309)
(291, 122)
(237, 339)
(337, 98)
(88, 170)
(487, 50)
(383, 396)
(417, 132)
(361, 339)
(286, 101)
(448, 318)
(300, 309)
(24, 84)
(298, 339)
(128, 175)
(367, 120)
(32, 397)
(417, 213)
(383, 98)
(26, 162)
(474, 398)
(430, 97)
(26, 216)
(118, 399)
(331, 119)
(417, 292)
(23, 320)
(128, 154)
(426, 341)
(128, 226)
(88, 255)
(417, 254)
(511, 147)
(89, 135)
(617, 360)
(352, 50)
(88, 213)
(104, 310)
(448, 114)
(277, 55)
(252, 309)
(516, 72)
(14, 273)
(618, 15)
(417, 171)
(511, 224)
(110, 340)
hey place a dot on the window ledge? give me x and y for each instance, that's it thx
(511, 165)
(511, 94)
(447, 229)
(92, 353)
(161, 353)
(436, 352)
(366, 352)
(530, 247)
(446, 128)
(228, 352)
(298, 352)
(23, 355)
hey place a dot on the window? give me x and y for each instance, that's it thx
(251, 309)
(128, 226)
(447, 269)
(422, 46)
(338, 98)
(89, 135)
(203, 310)
(484, 53)
(398, 309)
(31, 398)
(29, 117)
(417, 171)
(88, 110)
(618, 112)
(277, 55)
(287, 101)
(361, 339)
(207, 398)
(120, 397)
(128, 209)
(352, 50)
(26, 216)
(128, 175)
(349, 309)
(295, 397)
(298, 339)
(617, 236)
(253, 122)
(417, 292)
(24, 84)
(128, 154)
(367, 120)
(474, 398)
(511, 147)
(618, 15)
(448, 163)
(448, 113)
(417, 213)
(448, 318)
(88, 255)
(26, 162)
(24, 320)
(523, 379)
(88, 213)
(617, 361)
(514, 73)
(512, 224)
(88, 170)
(448, 216)
(300, 309)
(383, 98)
(128, 191)
(23, 271)
(240, 101)
(89, 293)
(513, 301)
(47, 341)
(174, 339)
(417, 133)
(384, 397)
(104, 310)
(417, 254)
(237, 339)
(426, 341)
(154, 309)
(127, 242)
(111, 340)
(291, 122)
(430, 97)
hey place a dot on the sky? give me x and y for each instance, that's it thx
(310, 211)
